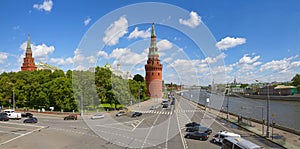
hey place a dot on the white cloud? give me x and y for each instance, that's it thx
(136, 33)
(230, 42)
(78, 57)
(211, 60)
(278, 65)
(115, 31)
(46, 6)
(296, 64)
(193, 21)
(61, 61)
(167, 60)
(102, 54)
(91, 59)
(126, 57)
(3, 57)
(164, 45)
(39, 52)
(87, 21)
(248, 60)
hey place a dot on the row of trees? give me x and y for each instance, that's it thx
(67, 91)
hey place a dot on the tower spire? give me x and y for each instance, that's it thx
(28, 42)
(153, 31)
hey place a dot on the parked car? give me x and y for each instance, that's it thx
(136, 114)
(31, 120)
(120, 113)
(199, 129)
(153, 108)
(192, 124)
(71, 117)
(218, 138)
(27, 114)
(164, 102)
(3, 117)
(197, 135)
(97, 116)
(165, 105)
(12, 114)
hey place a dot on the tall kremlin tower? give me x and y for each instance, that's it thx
(28, 64)
(153, 70)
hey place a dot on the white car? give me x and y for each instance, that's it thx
(218, 138)
(97, 116)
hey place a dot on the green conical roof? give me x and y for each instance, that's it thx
(28, 49)
(28, 42)
(153, 31)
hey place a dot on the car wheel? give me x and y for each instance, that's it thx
(188, 136)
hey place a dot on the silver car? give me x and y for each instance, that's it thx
(97, 116)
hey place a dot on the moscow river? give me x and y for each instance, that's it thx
(284, 113)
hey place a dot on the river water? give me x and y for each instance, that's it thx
(284, 113)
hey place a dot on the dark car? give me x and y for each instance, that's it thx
(136, 114)
(165, 105)
(3, 117)
(71, 117)
(27, 114)
(197, 135)
(199, 129)
(192, 124)
(31, 120)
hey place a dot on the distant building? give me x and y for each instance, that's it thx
(283, 90)
(266, 90)
(118, 71)
(28, 64)
(153, 70)
(44, 66)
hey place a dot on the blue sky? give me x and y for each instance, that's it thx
(253, 40)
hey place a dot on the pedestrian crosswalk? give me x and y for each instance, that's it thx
(170, 112)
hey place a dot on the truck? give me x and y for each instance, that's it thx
(11, 114)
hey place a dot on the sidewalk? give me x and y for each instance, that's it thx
(145, 105)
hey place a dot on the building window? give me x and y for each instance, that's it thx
(158, 73)
(152, 73)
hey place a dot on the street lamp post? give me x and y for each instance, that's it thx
(139, 97)
(268, 114)
(13, 94)
(14, 97)
(268, 111)
(227, 106)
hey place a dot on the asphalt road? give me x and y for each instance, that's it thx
(160, 128)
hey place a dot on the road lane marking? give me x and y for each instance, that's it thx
(150, 131)
(184, 144)
(22, 135)
(137, 124)
(207, 114)
(167, 137)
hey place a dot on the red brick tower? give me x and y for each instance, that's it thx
(153, 70)
(28, 64)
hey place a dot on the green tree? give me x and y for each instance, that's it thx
(138, 78)
(296, 80)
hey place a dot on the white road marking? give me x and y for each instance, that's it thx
(184, 144)
(21, 135)
(207, 114)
